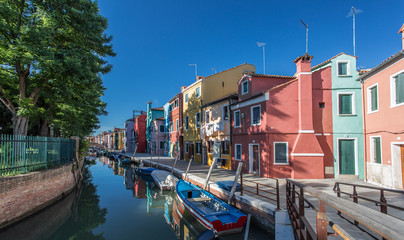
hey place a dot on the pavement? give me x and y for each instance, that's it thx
(266, 193)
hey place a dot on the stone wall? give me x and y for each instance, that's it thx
(25, 194)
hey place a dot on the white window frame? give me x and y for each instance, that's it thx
(252, 116)
(186, 147)
(242, 87)
(196, 120)
(287, 154)
(348, 68)
(235, 152)
(372, 149)
(186, 123)
(198, 88)
(177, 124)
(393, 96)
(228, 112)
(239, 115)
(369, 100)
(186, 97)
(353, 103)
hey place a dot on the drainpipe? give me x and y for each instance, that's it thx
(365, 156)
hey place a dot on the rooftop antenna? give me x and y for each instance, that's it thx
(261, 44)
(353, 13)
(214, 70)
(307, 35)
(196, 68)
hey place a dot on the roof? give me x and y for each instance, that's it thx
(401, 29)
(329, 60)
(226, 98)
(281, 85)
(158, 109)
(381, 65)
(230, 69)
(270, 76)
(198, 81)
(306, 56)
(160, 119)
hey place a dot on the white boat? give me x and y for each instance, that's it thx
(164, 179)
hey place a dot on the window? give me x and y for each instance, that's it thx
(186, 147)
(210, 146)
(237, 154)
(186, 97)
(198, 148)
(376, 149)
(244, 87)
(397, 90)
(225, 110)
(170, 127)
(343, 68)
(176, 103)
(237, 118)
(280, 152)
(256, 115)
(161, 128)
(225, 147)
(207, 116)
(373, 101)
(197, 120)
(178, 125)
(321, 104)
(161, 144)
(197, 92)
(186, 123)
(346, 105)
(171, 106)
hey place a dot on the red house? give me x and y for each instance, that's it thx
(272, 124)
(175, 126)
(140, 133)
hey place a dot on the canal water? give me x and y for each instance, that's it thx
(115, 203)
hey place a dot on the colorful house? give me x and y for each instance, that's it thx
(215, 128)
(158, 141)
(192, 102)
(173, 121)
(383, 111)
(274, 124)
(140, 133)
(152, 113)
(335, 81)
(129, 136)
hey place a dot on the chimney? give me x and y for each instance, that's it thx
(183, 88)
(199, 78)
(402, 38)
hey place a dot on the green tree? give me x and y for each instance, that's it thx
(52, 55)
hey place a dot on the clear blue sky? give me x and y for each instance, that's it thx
(155, 40)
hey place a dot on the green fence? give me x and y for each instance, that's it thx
(21, 154)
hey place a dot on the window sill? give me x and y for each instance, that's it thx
(375, 111)
(347, 115)
(397, 105)
(344, 76)
(281, 164)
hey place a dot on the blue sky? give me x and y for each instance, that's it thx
(156, 40)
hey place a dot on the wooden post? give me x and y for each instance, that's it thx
(189, 164)
(241, 183)
(209, 173)
(321, 221)
(355, 200)
(277, 195)
(247, 228)
(175, 163)
(383, 207)
(301, 214)
(233, 189)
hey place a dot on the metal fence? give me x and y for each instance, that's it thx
(22, 154)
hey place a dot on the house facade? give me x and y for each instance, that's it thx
(129, 136)
(158, 140)
(192, 103)
(216, 118)
(140, 133)
(173, 121)
(152, 113)
(383, 111)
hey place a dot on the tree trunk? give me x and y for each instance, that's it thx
(20, 125)
(44, 131)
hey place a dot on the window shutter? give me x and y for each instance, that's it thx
(373, 93)
(378, 152)
(400, 88)
(280, 153)
(345, 104)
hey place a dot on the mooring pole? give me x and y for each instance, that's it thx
(247, 227)
(189, 164)
(233, 189)
(209, 173)
(175, 163)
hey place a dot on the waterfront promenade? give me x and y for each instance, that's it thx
(323, 185)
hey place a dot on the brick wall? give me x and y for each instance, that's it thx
(25, 194)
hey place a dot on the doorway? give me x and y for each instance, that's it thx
(347, 156)
(254, 159)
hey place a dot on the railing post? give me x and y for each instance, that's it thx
(241, 183)
(301, 213)
(277, 195)
(293, 194)
(257, 189)
(383, 207)
(321, 221)
(338, 194)
(355, 200)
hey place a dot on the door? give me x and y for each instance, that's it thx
(254, 158)
(346, 153)
(402, 164)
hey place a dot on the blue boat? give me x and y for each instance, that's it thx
(209, 210)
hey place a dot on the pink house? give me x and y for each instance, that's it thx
(272, 125)
(158, 141)
(383, 111)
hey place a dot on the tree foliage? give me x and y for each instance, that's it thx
(52, 56)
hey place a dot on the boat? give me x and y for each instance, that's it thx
(228, 185)
(164, 179)
(145, 173)
(124, 161)
(209, 210)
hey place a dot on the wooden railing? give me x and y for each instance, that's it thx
(273, 192)
(297, 200)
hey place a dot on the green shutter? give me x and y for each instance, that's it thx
(373, 95)
(400, 88)
(347, 156)
(343, 68)
(345, 104)
(378, 150)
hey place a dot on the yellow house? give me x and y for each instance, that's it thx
(121, 137)
(219, 92)
(192, 102)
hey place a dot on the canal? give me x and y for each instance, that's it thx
(114, 203)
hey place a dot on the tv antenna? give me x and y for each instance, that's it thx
(307, 35)
(353, 13)
(261, 44)
(196, 68)
(214, 70)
